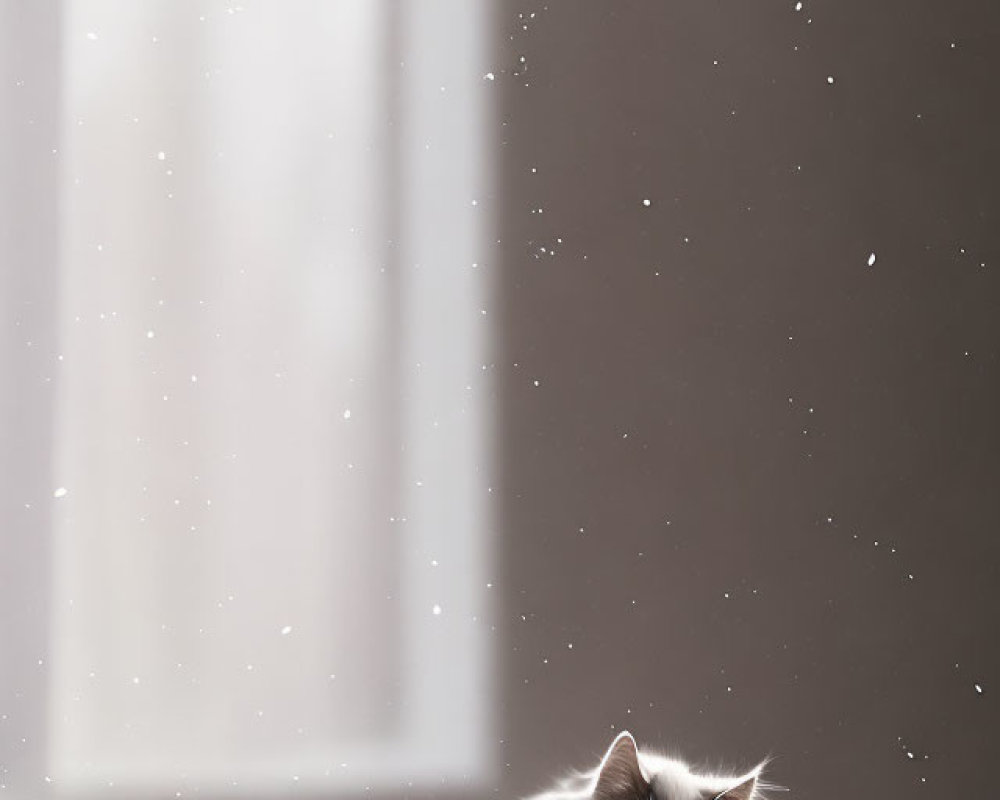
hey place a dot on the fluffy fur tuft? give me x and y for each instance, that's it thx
(627, 773)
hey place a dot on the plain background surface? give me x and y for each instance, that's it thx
(743, 439)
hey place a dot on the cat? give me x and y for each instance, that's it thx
(627, 774)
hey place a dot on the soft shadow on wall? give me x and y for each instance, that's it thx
(730, 440)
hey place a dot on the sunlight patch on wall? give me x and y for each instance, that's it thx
(271, 543)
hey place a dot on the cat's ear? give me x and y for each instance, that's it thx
(742, 791)
(620, 777)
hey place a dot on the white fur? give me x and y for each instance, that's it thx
(669, 778)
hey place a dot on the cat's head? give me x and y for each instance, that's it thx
(624, 774)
